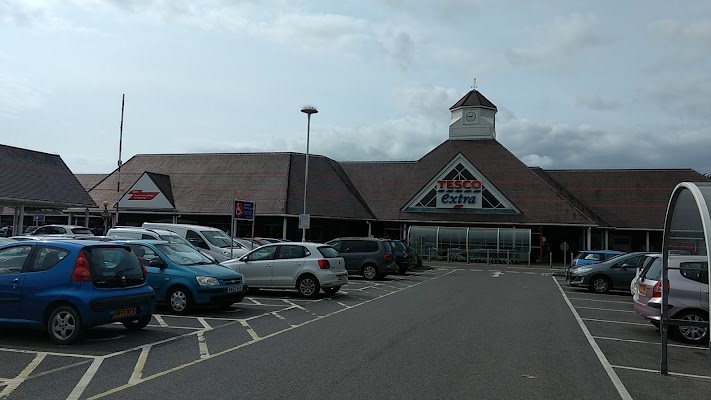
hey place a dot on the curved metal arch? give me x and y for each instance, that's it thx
(702, 207)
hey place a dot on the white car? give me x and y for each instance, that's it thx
(53, 230)
(306, 267)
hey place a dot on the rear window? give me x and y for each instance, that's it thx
(654, 271)
(82, 231)
(175, 239)
(113, 267)
(328, 251)
(591, 256)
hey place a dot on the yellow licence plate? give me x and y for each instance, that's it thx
(641, 288)
(125, 312)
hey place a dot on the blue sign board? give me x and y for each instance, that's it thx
(243, 210)
(39, 217)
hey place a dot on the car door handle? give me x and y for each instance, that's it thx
(16, 281)
(268, 266)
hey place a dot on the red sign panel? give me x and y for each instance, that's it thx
(141, 195)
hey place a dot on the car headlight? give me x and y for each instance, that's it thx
(207, 281)
(582, 269)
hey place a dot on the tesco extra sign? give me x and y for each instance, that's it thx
(458, 193)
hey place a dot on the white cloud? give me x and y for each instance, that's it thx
(685, 96)
(433, 101)
(534, 160)
(18, 95)
(595, 102)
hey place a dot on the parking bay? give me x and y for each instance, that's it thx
(111, 357)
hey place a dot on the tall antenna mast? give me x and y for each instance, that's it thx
(118, 182)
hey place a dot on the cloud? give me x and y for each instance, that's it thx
(595, 102)
(689, 32)
(554, 42)
(687, 96)
(433, 101)
(534, 160)
(32, 14)
(18, 95)
(447, 10)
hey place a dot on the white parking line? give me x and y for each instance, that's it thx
(204, 323)
(254, 301)
(15, 382)
(621, 389)
(601, 301)
(705, 377)
(204, 353)
(49, 353)
(530, 273)
(160, 321)
(251, 331)
(615, 322)
(85, 379)
(176, 327)
(138, 368)
(681, 346)
(604, 309)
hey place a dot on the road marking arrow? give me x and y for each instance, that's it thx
(497, 274)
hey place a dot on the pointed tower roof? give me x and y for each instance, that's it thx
(473, 99)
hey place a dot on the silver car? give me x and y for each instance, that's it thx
(306, 267)
(688, 294)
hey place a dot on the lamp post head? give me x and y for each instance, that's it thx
(105, 203)
(309, 110)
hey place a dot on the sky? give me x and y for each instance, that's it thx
(578, 84)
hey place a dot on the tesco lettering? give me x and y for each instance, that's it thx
(458, 184)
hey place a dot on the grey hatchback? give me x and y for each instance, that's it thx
(370, 257)
(616, 273)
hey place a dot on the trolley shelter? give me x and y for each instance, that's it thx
(687, 227)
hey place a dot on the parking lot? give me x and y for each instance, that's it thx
(111, 357)
(458, 322)
(632, 346)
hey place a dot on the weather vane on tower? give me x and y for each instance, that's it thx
(474, 84)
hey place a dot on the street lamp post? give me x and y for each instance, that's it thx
(308, 110)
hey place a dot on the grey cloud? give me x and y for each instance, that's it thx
(447, 10)
(595, 102)
(432, 101)
(686, 95)
(18, 95)
(534, 160)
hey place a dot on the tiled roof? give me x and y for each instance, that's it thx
(89, 180)
(38, 179)
(207, 183)
(387, 186)
(473, 99)
(626, 198)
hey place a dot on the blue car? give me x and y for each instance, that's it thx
(67, 286)
(182, 277)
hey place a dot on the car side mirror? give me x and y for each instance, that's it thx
(243, 259)
(157, 263)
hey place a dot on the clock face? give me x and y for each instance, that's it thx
(470, 116)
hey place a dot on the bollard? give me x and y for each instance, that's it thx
(529, 258)
(487, 257)
(550, 259)
(508, 257)
(449, 259)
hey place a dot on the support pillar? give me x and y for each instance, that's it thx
(607, 239)
(20, 229)
(69, 219)
(283, 229)
(404, 232)
(646, 240)
(86, 217)
(175, 219)
(15, 211)
(589, 239)
(370, 228)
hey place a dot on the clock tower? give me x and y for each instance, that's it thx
(473, 117)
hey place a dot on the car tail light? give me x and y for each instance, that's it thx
(143, 267)
(81, 272)
(657, 289)
(404, 254)
(388, 257)
(324, 264)
(575, 262)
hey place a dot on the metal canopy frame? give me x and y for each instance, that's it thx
(699, 207)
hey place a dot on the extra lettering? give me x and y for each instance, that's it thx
(458, 199)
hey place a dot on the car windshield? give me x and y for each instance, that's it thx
(183, 255)
(175, 239)
(217, 238)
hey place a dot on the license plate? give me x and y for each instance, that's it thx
(642, 289)
(125, 312)
(342, 277)
(232, 289)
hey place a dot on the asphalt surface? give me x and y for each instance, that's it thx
(486, 332)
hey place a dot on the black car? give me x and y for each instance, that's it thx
(370, 257)
(402, 257)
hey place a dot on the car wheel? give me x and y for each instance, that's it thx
(64, 325)
(600, 284)
(693, 334)
(370, 272)
(179, 300)
(331, 290)
(137, 324)
(308, 286)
